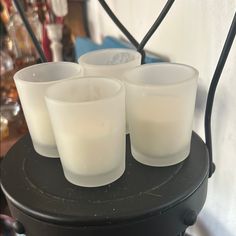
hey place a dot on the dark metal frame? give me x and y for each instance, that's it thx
(212, 90)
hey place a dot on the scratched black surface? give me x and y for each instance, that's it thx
(37, 186)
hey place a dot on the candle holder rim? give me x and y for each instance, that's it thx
(77, 79)
(135, 53)
(133, 82)
(19, 73)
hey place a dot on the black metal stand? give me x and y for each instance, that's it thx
(144, 201)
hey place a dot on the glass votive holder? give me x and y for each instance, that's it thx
(112, 62)
(88, 119)
(31, 83)
(160, 100)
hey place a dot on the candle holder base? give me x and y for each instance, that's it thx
(162, 161)
(95, 180)
(46, 151)
(144, 201)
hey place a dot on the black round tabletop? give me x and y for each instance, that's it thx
(36, 185)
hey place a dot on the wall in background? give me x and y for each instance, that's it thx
(193, 33)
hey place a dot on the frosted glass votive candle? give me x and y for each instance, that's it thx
(112, 62)
(160, 101)
(88, 118)
(31, 83)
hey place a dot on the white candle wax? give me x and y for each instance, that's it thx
(160, 127)
(40, 126)
(32, 83)
(90, 149)
(158, 138)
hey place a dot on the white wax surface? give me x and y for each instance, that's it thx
(158, 138)
(40, 126)
(159, 127)
(90, 149)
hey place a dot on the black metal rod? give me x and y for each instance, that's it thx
(30, 31)
(121, 27)
(154, 27)
(211, 93)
